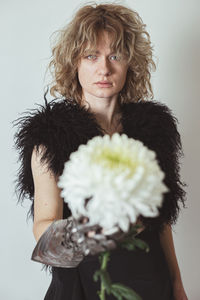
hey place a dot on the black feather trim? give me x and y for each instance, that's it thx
(155, 125)
(62, 125)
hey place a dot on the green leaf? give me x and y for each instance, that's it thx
(141, 244)
(96, 275)
(116, 294)
(106, 280)
(128, 246)
(125, 291)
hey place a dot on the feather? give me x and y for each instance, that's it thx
(62, 125)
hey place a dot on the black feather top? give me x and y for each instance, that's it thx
(61, 125)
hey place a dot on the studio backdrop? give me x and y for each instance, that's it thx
(25, 30)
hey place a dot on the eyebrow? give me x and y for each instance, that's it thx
(97, 52)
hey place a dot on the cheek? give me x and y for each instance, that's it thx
(81, 76)
(123, 74)
(85, 73)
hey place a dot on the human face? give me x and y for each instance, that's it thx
(102, 74)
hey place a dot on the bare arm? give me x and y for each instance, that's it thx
(48, 205)
(167, 243)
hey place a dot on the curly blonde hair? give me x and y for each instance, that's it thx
(129, 37)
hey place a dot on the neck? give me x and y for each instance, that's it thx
(106, 110)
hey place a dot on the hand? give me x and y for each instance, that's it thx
(91, 238)
(178, 290)
(94, 241)
(67, 241)
(55, 247)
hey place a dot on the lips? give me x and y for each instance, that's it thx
(104, 83)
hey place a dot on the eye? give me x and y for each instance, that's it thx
(91, 57)
(114, 57)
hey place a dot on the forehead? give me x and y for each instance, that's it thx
(104, 41)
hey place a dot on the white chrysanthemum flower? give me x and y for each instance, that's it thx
(119, 176)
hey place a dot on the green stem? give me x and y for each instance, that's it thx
(104, 261)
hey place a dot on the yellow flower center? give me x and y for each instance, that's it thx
(115, 159)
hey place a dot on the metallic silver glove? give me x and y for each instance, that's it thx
(55, 246)
(66, 242)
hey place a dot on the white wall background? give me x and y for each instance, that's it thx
(25, 28)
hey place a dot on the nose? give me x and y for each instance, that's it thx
(104, 67)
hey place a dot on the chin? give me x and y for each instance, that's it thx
(104, 94)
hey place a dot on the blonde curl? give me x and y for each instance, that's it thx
(129, 36)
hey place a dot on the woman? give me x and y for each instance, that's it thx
(101, 65)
